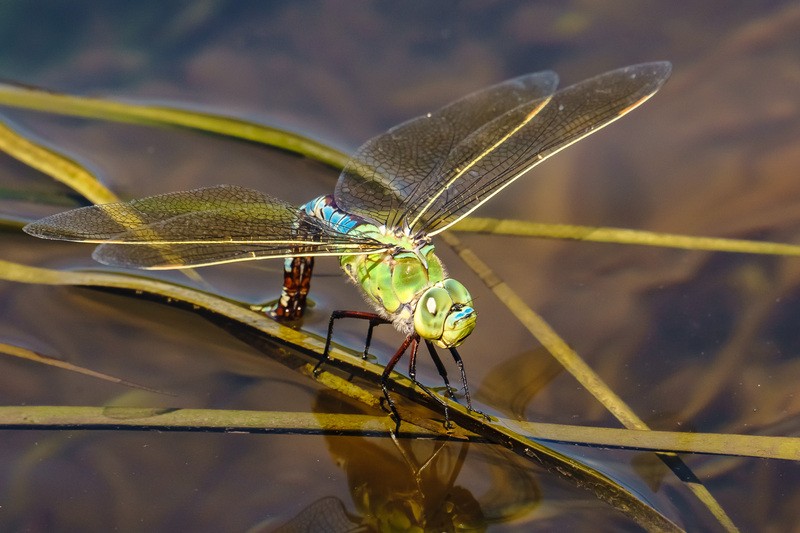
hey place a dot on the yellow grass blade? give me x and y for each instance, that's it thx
(521, 228)
(99, 108)
(56, 165)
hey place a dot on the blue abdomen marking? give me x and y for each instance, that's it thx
(324, 208)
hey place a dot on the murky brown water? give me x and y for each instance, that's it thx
(693, 341)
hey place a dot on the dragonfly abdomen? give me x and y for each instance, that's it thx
(324, 208)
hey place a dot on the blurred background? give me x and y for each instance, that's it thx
(693, 341)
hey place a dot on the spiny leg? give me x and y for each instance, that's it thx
(413, 340)
(374, 320)
(443, 373)
(440, 368)
(412, 373)
(460, 363)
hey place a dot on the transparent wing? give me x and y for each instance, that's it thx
(501, 150)
(392, 170)
(200, 227)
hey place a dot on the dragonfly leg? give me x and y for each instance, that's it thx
(296, 284)
(374, 320)
(440, 368)
(412, 339)
(412, 373)
(460, 363)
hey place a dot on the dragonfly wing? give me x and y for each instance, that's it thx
(436, 169)
(394, 169)
(103, 222)
(504, 149)
(172, 256)
(200, 227)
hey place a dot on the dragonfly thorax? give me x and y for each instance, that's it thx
(410, 287)
(406, 282)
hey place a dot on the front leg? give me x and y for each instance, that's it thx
(449, 391)
(460, 363)
(412, 373)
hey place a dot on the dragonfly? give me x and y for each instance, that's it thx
(398, 191)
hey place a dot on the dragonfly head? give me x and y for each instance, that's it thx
(444, 314)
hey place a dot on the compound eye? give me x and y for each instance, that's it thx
(459, 294)
(431, 313)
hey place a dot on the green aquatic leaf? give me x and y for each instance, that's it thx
(156, 115)
(240, 421)
(54, 164)
(522, 228)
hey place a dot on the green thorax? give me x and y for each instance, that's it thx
(395, 279)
